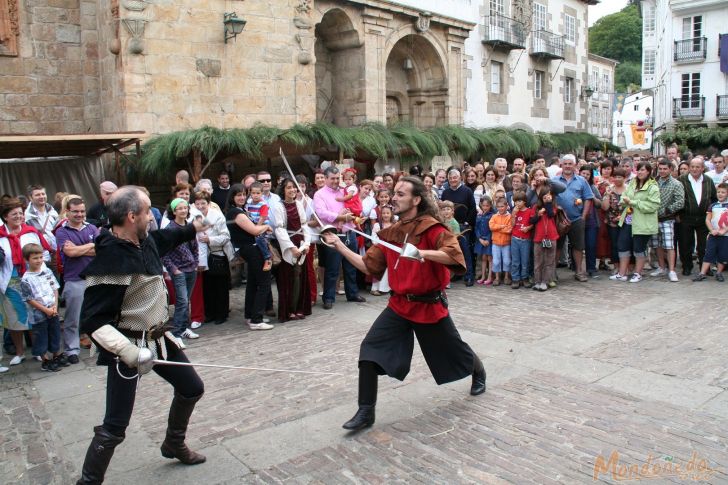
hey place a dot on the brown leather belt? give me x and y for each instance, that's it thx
(434, 297)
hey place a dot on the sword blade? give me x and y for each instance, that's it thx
(293, 177)
(262, 369)
(376, 240)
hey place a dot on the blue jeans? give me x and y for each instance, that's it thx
(466, 246)
(521, 250)
(501, 258)
(46, 336)
(261, 242)
(183, 284)
(333, 261)
(590, 248)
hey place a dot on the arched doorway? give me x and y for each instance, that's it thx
(340, 94)
(417, 86)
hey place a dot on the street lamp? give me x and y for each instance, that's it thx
(587, 91)
(233, 25)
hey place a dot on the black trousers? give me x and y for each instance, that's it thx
(216, 295)
(257, 288)
(121, 393)
(686, 235)
(389, 344)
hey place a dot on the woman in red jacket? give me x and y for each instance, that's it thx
(544, 240)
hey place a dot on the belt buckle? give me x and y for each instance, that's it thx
(409, 297)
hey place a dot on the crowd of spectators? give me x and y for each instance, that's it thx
(517, 222)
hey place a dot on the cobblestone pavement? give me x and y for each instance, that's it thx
(574, 374)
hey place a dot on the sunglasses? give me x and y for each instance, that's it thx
(263, 181)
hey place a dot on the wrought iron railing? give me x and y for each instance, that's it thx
(688, 107)
(500, 29)
(721, 107)
(547, 44)
(691, 50)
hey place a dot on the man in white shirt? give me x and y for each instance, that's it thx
(719, 174)
(40, 214)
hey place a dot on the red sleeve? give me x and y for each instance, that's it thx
(264, 212)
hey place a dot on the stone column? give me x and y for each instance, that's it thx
(455, 108)
(376, 29)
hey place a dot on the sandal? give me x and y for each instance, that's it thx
(496, 283)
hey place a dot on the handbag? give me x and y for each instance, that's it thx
(218, 265)
(563, 224)
(275, 254)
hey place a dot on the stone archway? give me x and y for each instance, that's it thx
(417, 82)
(340, 70)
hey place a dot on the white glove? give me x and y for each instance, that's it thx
(116, 343)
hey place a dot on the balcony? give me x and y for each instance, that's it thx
(547, 45)
(501, 31)
(721, 107)
(688, 108)
(691, 50)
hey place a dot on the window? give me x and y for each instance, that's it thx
(495, 77)
(570, 29)
(569, 90)
(594, 115)
(537, 84)
(649, 62)
(605, 118)
(595, 80)
(692, 27)
(496, 7)
(539, 16)
(606, 83)
(648, 18)
(690, 90)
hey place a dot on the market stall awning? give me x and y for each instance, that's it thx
(72, 145)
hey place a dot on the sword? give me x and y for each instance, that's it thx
(263, 369)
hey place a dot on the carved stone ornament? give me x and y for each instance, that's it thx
(423, 22)
(9, 27)
(303, 7)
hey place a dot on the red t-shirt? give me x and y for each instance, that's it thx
(523, 219)
(413, 277)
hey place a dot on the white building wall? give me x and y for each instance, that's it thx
(600, 109)
(520, 97)
(667, 80)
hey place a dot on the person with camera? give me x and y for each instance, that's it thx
(545, 236)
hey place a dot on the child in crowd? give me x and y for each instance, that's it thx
(383, 197)
(447, 213)
(350, 196)
(521, 241)
(500, 225)
(716, 249)
(387, 215)
(257, 210)
(39, 289)
(545, 235)
(483, 243)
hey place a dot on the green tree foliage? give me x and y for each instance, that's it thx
(628, 73)
(619, 37)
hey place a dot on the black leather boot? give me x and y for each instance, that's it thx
(98, 456)
(174, 444)
(479, 376)
(364, 416)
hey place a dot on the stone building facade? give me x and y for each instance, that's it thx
(69, 66)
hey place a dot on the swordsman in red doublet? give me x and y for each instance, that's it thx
(418, 304)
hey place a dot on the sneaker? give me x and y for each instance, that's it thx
(543, 287)
(180, 343)
(61, 360)
(552, 284)
(260, 326)
(618, 277)
(49, 366)
(719, 277)
(698, 277)
(264, 320)
(3, 369)
(38, 358)
(73, 359)
(672, 276)
(17, 360)
(658, 272)
(195, 325)
(636, 278)
(189, 334)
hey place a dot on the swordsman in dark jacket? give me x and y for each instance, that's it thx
(125, 308)
(418, 304)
